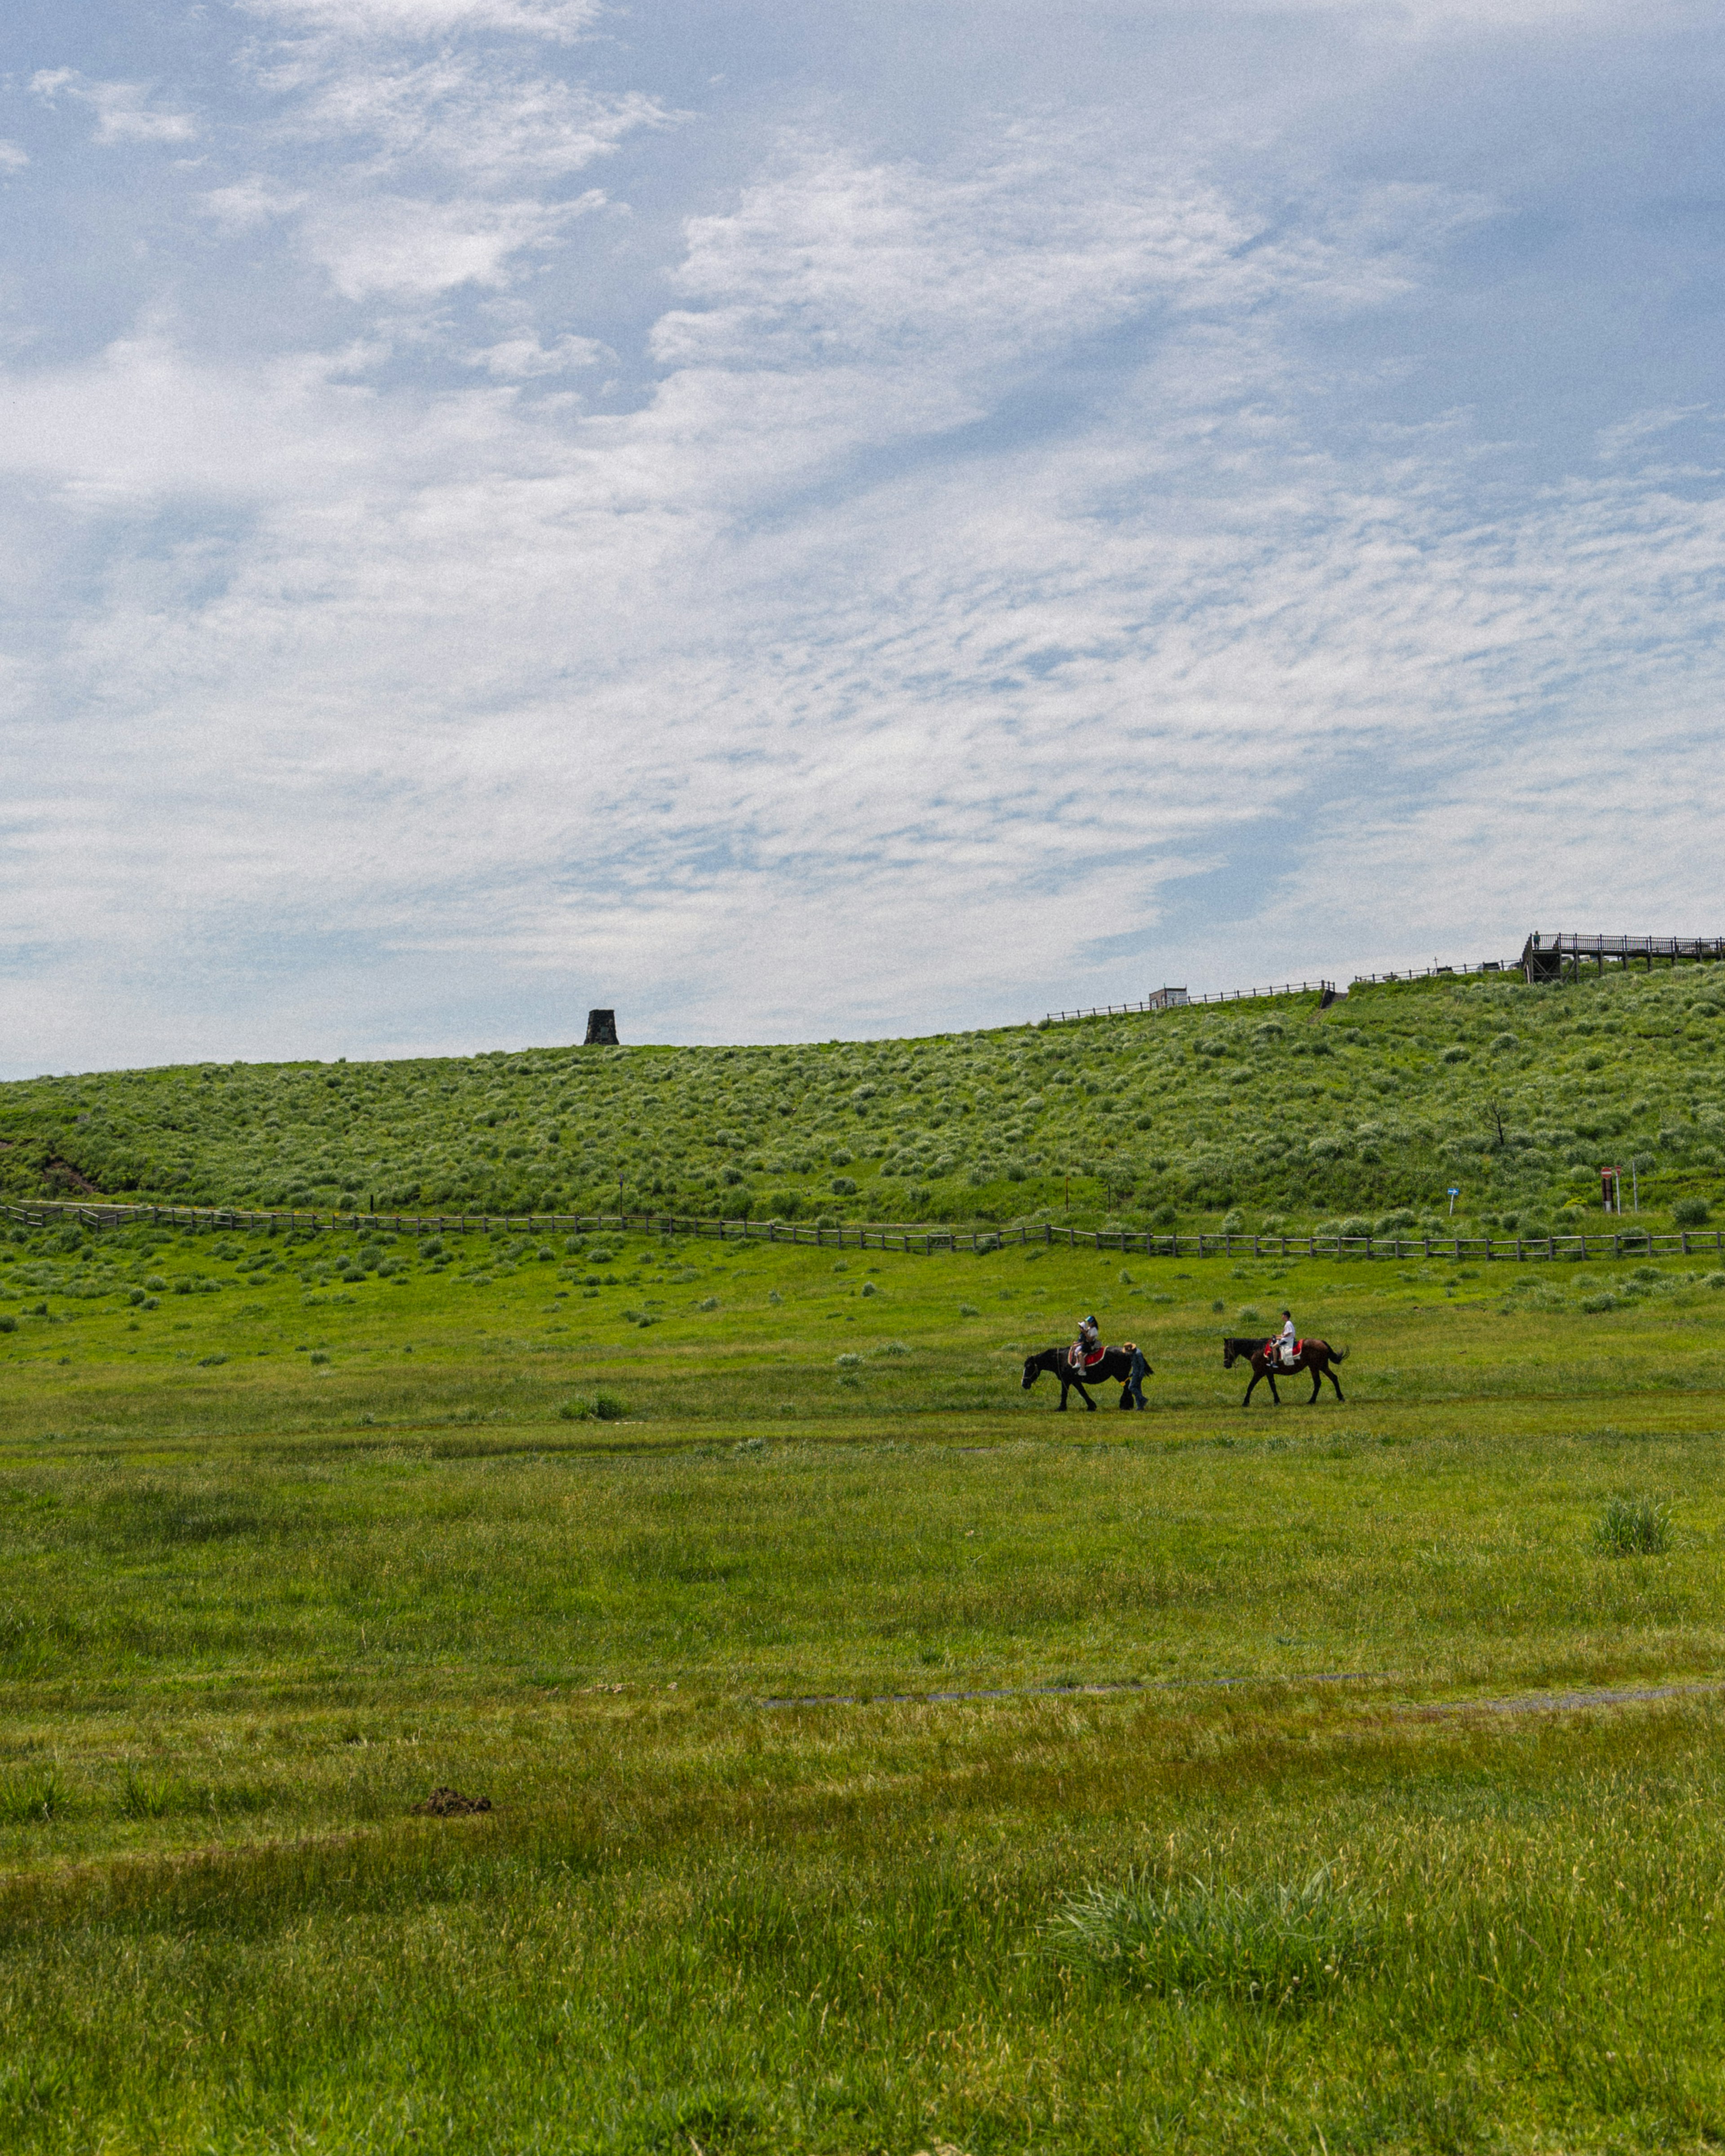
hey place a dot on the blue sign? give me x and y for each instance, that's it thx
(1455, 1190)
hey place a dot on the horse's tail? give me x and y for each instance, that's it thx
(1335, 1355)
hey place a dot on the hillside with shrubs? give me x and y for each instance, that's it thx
(1268, 1112)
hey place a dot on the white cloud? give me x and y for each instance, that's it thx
(525, 358)
(248, 203)
(391, 247)
(123, 114)
(12, 158)
(560, 20)
(490, 125)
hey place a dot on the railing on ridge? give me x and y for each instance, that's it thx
(1158, 1001)
(1434, 973)
(922, 1241)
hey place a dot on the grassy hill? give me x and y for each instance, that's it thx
(1271, 1109)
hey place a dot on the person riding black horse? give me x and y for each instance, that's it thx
(1088, 1351)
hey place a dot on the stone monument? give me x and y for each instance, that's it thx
(602, 1030)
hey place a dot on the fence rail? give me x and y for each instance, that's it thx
(1159, 1002)
(1435, 973)
(1547, 958)
(923, 1241)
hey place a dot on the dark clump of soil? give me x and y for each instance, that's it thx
(450, 1803)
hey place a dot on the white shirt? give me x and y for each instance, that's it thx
(1288, 1332)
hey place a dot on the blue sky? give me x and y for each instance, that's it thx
(853, 519)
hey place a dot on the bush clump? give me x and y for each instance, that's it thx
(1692, 1212)
(1273, 1946)
(1633, 1526)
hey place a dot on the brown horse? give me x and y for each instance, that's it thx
(1316, 1356)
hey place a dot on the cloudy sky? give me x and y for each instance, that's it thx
(795, 520)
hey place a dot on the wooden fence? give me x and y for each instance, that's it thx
(922, 1241)
(1438, 973)
(1159, 1002)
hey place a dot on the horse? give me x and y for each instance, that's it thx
(1121, 1363)
(1316, 1356)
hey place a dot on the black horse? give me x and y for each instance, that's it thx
(1316, 1356)
(1126, 1364)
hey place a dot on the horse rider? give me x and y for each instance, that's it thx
(1090, 1339)
(1284, 1342)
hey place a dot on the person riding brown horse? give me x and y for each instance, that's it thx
(1316, 1356)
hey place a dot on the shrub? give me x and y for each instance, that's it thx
(8, 1323)
(844, 1185)
(1633, 1526)
(608, 1408)
(848, 1362)
(1456, 1055)
(1232, 1224)
(1272, 1946)
(1355, 1224)
(574, 1411)
(1504, 1043)
(869, 1288)
(1691, 1212)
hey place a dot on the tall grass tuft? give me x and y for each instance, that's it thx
(1272, 1945)
(33, 1800)
(1633, 1526)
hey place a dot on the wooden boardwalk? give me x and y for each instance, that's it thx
(1561, 957)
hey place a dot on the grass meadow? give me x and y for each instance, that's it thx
(877, 1759)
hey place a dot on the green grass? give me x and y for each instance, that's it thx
(1366, 1112)
(1286, 1888)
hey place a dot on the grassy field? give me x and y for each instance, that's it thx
(667, 1551)
(1275, 1110)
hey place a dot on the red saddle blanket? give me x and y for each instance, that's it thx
(1272, 1348)
(1076, 1360)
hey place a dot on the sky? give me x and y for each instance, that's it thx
(808, 521)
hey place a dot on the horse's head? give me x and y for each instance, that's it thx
(1033, 1370)
(1232, 1350)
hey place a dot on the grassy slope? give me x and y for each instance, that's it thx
(257, 1606)
(1379, 1103)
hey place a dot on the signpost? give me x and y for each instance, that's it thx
(1455, 1193)
(1611, 1189)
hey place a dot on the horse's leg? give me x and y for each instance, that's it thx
(1330, 1373)
(1251, 1389)
(1269, 1376)
(1088, 1403)
(1065, 1381)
